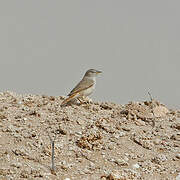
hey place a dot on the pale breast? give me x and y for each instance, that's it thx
(88, 91)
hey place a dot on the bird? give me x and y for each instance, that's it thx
(84, 88)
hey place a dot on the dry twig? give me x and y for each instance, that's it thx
(52, 154)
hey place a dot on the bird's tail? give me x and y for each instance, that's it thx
(73, 96)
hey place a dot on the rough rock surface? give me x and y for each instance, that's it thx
(140, 140)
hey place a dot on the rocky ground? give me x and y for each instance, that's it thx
(93, 141)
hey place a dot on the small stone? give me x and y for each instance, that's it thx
(136, 166)
(110, 147)
(121, 134)
(80, 121)
(178, 156)
(114, 175)
(126, 158)
(103, 153)
(121, 162)
(20, 102)
(139, 122)
(103, 178)
(16, 164)
(116, 136)
(126, 129)
(79, 133)
(157, 141)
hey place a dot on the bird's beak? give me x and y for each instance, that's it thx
(98, 72)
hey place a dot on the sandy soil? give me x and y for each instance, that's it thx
(93, 141)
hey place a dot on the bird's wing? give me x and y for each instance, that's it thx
(82, 85)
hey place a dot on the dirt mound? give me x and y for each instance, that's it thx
(140, 140)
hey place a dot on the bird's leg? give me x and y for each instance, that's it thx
(88, 100)
(81, 102)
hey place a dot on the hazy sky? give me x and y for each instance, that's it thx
(47, 45)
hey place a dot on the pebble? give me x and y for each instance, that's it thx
(157, 141)
(79, 133)
(103, 153)
(178, 155)
(103, 178)
(16, 164)
(121, 162)
(121, 134)
(28, 140)
(126, 129)
(111, 147)
(136, 166)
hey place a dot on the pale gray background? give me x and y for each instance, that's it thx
(47, 45)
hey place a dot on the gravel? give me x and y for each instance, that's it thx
(96, 140)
